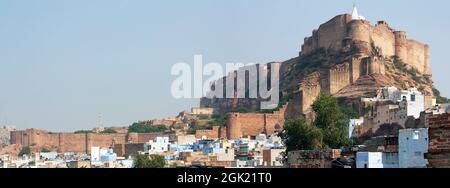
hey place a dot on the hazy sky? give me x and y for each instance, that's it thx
(63, 62)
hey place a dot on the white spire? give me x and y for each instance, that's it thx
(355, 15)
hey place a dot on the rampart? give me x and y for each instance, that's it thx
(78, 143)
(333, 34)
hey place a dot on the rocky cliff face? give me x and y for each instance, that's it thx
(349, 59)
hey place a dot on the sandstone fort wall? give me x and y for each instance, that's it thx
(391, 43)
(339, 77)
(79, 143)
(252, 124)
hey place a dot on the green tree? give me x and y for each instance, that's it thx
(142, 128)
(299, 135)
(45, 150)
(25, 151)
(83, 132)
(242, 110)
(332, 121)
(350, 113)
(439, 99)
(149, 161)
(108, 131)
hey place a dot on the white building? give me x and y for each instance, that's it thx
(48, 155)
(228, 155)
(415, 99)
(273, 157)
(95, 153)
(376, 160)
(157, 145)
(413, 144)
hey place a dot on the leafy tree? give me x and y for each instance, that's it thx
(298, 134)
(25, 151)
(108, 131)
(332, 121)
(218, 120)
(242, 110)
(149, 161)
(45, 150)
(439, 99)
(142, 128)
(83, 132)
(350, 113)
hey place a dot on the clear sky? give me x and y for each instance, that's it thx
(62, 62)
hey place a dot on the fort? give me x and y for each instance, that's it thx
(346, 57)
(343, 30)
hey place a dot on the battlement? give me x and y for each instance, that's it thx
(335, 34)
(78, 143)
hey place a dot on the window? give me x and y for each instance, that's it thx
(413, 98)
(416, 135)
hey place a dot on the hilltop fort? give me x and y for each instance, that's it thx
(347, 57)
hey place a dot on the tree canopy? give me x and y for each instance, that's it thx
(331, 119)
(149, 161)
(108, 131)
(142, 128)
(83, 132)
(329, 128)
(439, 99)
(45, 150)
(25, 151)
(300, 135)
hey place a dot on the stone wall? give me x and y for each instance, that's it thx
(312, 158)
(355, 69)
(308, 95)
(217, 132)
(438, 155)
(389, 42)
(252, 124)
(384, 38)
(125, 150)
(339, 77)
(78, 143)
(417, 56)
(329, 35)
(145, 137)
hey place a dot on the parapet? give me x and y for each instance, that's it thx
(336, 34)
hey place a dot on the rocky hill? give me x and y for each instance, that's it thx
(348, 58)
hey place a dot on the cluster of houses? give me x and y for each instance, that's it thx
(188, 151)
(395, 128)
(397, 122)
(185, 151)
